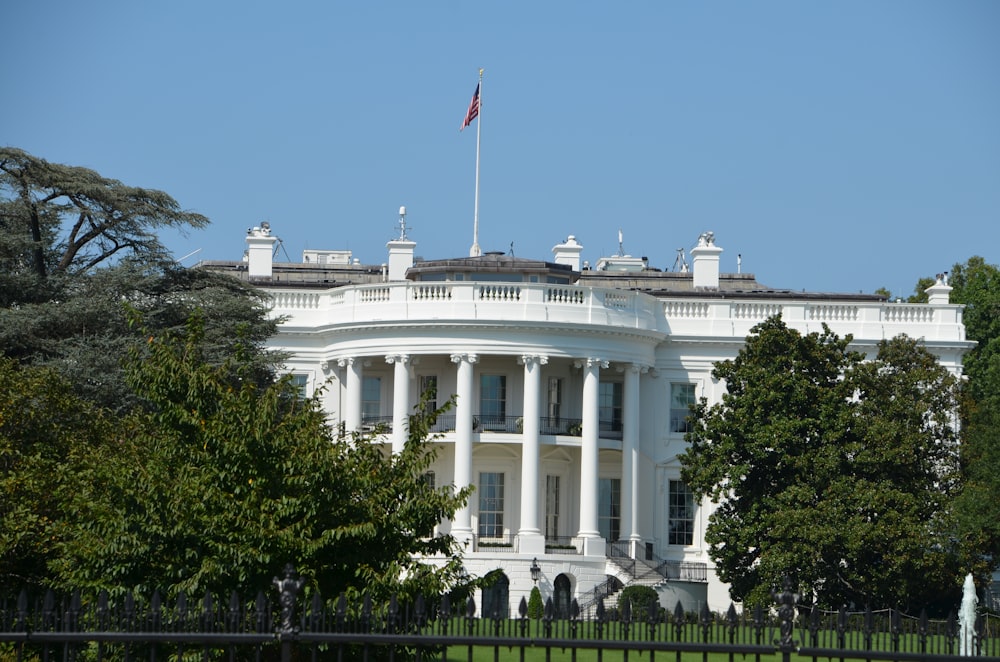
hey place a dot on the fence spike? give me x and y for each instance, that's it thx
(522, 608)
(470, 608)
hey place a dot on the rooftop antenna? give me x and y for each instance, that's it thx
(179, 260)
(621, 250)
(512, 249)
(280, 244)
(680, 262)
(739, 263)
(402, 224)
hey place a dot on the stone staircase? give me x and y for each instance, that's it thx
(631, 572)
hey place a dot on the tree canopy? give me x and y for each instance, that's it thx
(60, 219)
(977, 286)
(76, 250)
(828, 468)
(217, 483)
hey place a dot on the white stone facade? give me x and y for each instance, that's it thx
(571, 393)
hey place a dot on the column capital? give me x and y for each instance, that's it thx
(590, 362)
(345, 361)
(397, 358)
(468, 358)
(540, 359)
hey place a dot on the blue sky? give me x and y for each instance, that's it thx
(836, 146)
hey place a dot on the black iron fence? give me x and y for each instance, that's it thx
(302, 625)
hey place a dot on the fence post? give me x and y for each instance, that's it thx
(786, 600)
(288, 591)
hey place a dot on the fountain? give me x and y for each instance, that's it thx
(967, 618)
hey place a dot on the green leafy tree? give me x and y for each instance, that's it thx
(222, 481)
(76, 246)
(977, 285)
(42, 423)
(828, 468)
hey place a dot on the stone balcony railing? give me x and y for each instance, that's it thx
(388, 303)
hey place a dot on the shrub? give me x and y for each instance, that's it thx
(535, 607)
(639, 597)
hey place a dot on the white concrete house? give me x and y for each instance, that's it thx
(572, 385)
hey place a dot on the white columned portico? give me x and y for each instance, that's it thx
(630, 456)
(400, 400)
(529, 537)
(352, 398)
(462, 524)
(589, 526)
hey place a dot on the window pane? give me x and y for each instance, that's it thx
(610, 406)
(371, 398)
(551, 506)
(609, 507)
(491, 501)
(680, 514)
(682, 396)
(493, 401)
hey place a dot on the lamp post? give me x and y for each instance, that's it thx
(536, 572)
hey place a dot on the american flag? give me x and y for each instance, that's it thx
(473, 111)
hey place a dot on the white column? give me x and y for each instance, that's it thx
(462, 524)
(352, 404)
(589, 527)
(529, 537)
(400, 400)
(630, 455)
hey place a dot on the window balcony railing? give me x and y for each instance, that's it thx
(560, 545)
(499, 544)
(547, 425)
(376, 423)
(494, 423)
(571, 427)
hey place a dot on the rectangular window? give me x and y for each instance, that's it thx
(551, 507)
(371, 399)
(301, 384)
(493, 402)
(555, 400)
(429, 390)
(682, 396)
(490, 504)
(430, 479)
(610, 406)
(609, 515)
(680, 513)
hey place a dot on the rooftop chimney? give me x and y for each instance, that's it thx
(568, 253)
(705, 257)
(400, 251)
(939, 292)
(260, 251)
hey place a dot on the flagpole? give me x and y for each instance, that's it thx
(475, 251)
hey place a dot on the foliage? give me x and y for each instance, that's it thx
(639, 598)
(41, 424)
(977, 285)
(77, 249)
(831, 469)
(59, 219)
(223, 481)
(536, 609)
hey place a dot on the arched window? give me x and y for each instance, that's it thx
(496, 598)
(562, 596)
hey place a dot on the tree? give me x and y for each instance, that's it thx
(977, 286)
(62, 219)
(41, 425)
(223, 481)
(76, 246)
(828, 468)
